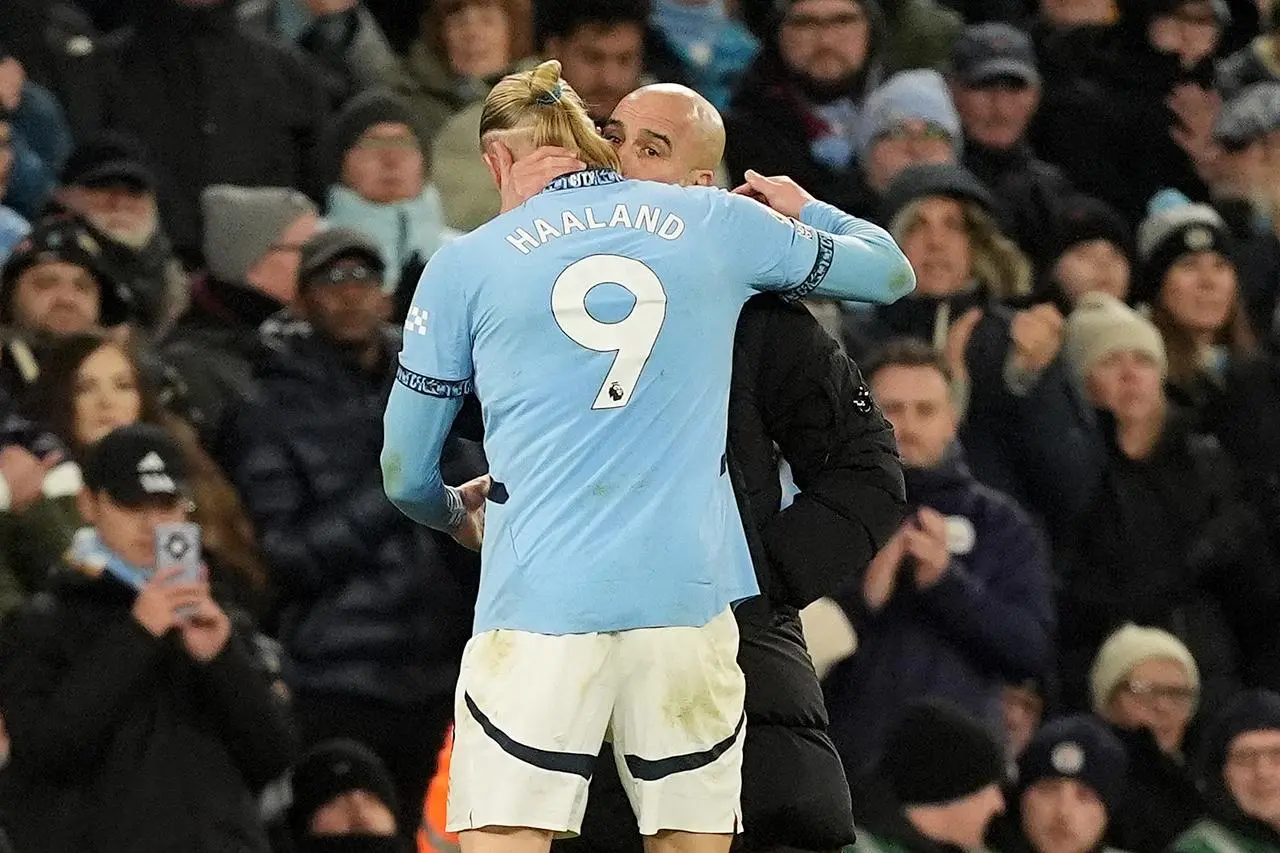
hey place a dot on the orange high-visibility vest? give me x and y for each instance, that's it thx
(432, 838)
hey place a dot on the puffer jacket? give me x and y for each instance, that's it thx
(372, 604)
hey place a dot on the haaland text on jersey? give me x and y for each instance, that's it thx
(642, 217)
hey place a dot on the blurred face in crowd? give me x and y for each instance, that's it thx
(6, 154)
(130, 532)
(1252, 774)
(917, 401)
(603, 64)
(477, 38)
(276, 273)
(125, 213)
(1157, 695)
(826, 41)
(385, 165)
(1128, 384)
(1065, 14)
(1063, 816)
(1199, 292)
(936, 242)
(353, 813)
(1093, 266)
(962, 823)
(1023, 709)
(996, 114)
(1190, 32)
(57, 298)
(345, 305)
(1251, 171)
(106, 394)
(666, 135)
(913, 142)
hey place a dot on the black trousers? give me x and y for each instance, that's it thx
(407, 738)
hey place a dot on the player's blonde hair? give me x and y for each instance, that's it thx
(539, 105)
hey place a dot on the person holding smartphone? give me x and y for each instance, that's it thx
(124, 685)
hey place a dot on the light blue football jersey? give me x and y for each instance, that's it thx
(596, 324)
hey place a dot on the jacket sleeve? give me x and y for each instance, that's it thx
(61, 713)
(312, 551)
(1007, 624)
(257, 730)
(842, 454)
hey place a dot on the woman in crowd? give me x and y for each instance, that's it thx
(1146, 685)
(90, 385)
(1092, 251)
(465, 46)
(1188, 281)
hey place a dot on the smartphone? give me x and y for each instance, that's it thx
(178, 547)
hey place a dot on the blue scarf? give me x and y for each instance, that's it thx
(88, 554)
(402, 230)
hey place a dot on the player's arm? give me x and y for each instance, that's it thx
(825, 253)
(433, 376)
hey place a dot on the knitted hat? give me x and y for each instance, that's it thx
(242, 223)
(919, 94)
(1077, 747)
(63, 238)
(1083, 218)
(943, 179)
(334, 768)
(108, 158)
(1174, 227)
(361, 113)
(1253, 113)
(1128, 647)
(1250, 711)
(1102, 324)
(935, 753)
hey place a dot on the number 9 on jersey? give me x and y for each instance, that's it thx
(632, 338)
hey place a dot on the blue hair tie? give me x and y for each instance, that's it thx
(551, 98)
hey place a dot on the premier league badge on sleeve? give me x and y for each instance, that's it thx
(416, 321)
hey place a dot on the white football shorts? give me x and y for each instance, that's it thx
(533, 710)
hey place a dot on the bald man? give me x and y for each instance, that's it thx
(793, 389)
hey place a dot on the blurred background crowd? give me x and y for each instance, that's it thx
(214, 213)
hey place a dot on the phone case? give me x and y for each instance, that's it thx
(178, 547)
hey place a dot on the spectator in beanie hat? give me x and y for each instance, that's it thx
(1240, 773)
(1187, 277)
(108, 183)
(909, 121)
(1091, 250)
(344, 801)
(380, 184)
(1069, 781)
(937, 783)
(1146, 684)
(252, 244)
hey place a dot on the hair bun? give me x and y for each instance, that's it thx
(545, 85)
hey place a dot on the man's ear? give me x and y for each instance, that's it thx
(702, 178)
(491, 163)
(87, 506)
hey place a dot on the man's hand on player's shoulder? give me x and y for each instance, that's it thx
(780, 193)
(531, 174)
(470, 534)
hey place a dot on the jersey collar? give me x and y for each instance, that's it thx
(597, 177)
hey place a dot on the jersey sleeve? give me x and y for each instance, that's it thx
(434, 373)
(826, 253)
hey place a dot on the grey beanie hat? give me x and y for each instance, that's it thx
(242, 223)
(1253, 113)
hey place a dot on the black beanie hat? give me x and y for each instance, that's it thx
(1077, 747)
(1084, 218)
(935, 179)
(361, 113)
(331, 769)
(935, 753)
(1250, 711)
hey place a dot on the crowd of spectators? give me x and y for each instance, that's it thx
(213, 214)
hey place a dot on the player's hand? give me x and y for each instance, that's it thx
(470, 534)
(882, 575)
(926, 542)
(25, 474)
(156, 607)
(781, 193)
(532, 174)
(1037, 337)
